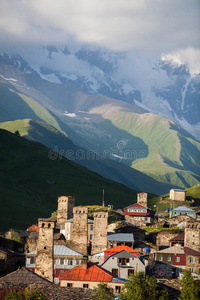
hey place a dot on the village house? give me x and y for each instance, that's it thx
(139, 215)
(183, 210)
(117, 239)
(175, 259)
(163, 238)
(10, 260)
(138, 233)
(177, 194)
(88, 275)
(177, 240)
(63, 257)
(123, 264)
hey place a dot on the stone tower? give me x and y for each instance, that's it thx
(142, 199)
(65, 208)
(80, 229)
(192, 235)
(99, 239)
(44, 260)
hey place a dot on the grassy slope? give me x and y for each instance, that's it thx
(52, 138)
(25, 193)
(173, 155)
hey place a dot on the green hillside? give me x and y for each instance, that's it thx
(108, 168)
(30, 183)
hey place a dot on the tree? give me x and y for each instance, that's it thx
(141, 287)
(26, 295)
(102, 292)
(190, 287)
(17, 133)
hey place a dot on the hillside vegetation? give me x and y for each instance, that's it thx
(31, 181)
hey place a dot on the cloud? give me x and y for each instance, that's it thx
(150, 26)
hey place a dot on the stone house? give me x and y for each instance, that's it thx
(138, 233)
(10, 260)
(178, 240)
(179, 220)
(63, 257)
(163, 238)
(123, 264)
(183, 210)
(117, 239)
(177, 194)
(88, 275)
(176, 258)
(139, 215)
(66, 228)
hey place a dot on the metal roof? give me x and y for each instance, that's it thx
(183, 208)
(71, 221)
(120, 237)
(61, 250)
(178, 249)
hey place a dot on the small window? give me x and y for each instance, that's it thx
(85, 285)
(45, 247)
(160, 258)
(191, 270)
(177, 259)
(130, 271)
(115, 272)
(90, 236)
(69, 285)
(191, 259)
(169, 258)
(62, 261)
(117, 289)
(32, 260)
(70, 262)
(91, 227)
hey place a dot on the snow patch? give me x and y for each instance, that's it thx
(71, 115)
(8, 79)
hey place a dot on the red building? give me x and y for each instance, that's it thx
(139, 214)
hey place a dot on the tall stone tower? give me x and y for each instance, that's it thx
(142, 199)
(44, 260)
(65, 208)
(192, 235)
(80, 229)
(99, 239)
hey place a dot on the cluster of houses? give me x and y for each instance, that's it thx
(75, 251)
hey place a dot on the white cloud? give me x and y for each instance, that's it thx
(145, 25)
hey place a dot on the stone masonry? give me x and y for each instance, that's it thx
(44, 259)
(99, 239)
(65, 208)
(192, 235)
(142, 199)
(79, 238)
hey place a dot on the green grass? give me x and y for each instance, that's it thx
(26, 194)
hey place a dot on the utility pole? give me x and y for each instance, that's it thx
(103, 203)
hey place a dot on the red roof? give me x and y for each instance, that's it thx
(190, 251)
(122, 248)
(87, 272)
(179, 237)
(33, 228)
(137, 206)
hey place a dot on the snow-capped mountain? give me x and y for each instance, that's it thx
(161, 86)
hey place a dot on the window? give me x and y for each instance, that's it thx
(115, 272)
(69, 285)
(85, 285)
(123, 261)
(199, 260)
(62, 261)
(28, 260)
(32, 260)
(77, 262)
(91, 227)
(191, 270)
(191, 259)
(177, 259)
(90, 236)
(130, 271)
(169, 258)
(160, 258)
(70, 262)
(117, 289)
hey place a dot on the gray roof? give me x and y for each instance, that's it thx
(71, 221)
(24, 276)
(60, 250)
(183, 208)
(125, 254)
(178, 249)
(120, 237)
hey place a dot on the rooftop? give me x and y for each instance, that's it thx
(120, 237)
(89, 272)
(60, 250)
(183, 208)
(122, 248)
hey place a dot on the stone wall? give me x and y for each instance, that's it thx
(80, 229)
(99, 239)
(192, 235)
(193, 262)
(44, 259)
(142, 199)
(177, 195)
(65, 208)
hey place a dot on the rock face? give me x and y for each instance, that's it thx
(99, 239)
(44, 259)
(80, 229)
(192, 235)
(65, 208)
